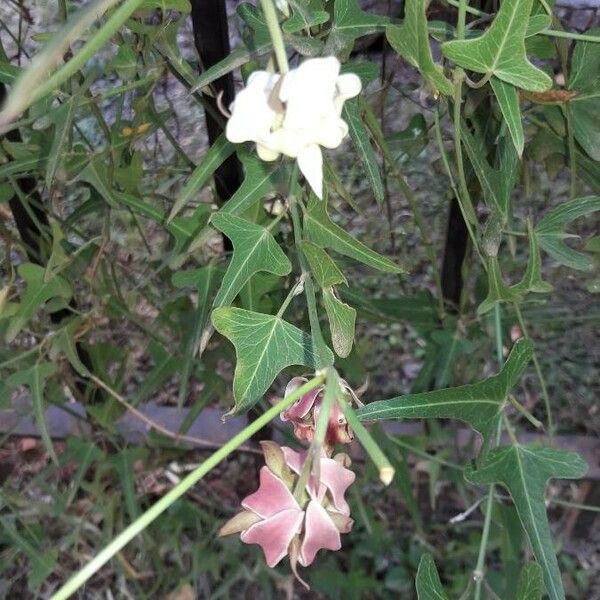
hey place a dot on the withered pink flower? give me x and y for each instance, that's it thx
(304, 414)
(299, 525)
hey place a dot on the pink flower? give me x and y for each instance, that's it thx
(304, 414)
(282, 524)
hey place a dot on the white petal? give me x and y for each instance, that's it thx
(348, 85)
(265, 153)
(310, 161)
(309, 91)
(251, 115)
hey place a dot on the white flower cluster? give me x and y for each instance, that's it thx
(294, 114)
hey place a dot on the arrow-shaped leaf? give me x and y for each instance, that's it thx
(362, 143)
(531, 582)
(497, 184)
(319, 229)
(342, 319)
(500, 51)
(264, 346)
(411, 41)
(477, 404)
(428, 584)
(260, 178)
(508, 100)
(584, 78)
(254, 250)
(349, 23)
(322, 266)
(37, 293)
(550, 231)
(211, 161)
(525, 471)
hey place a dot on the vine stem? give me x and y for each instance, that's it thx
(572, 152)
(446, 163)
(478, 574)
(540, 375)
(73, 584)
(276, 36)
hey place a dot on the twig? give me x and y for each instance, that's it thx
(158, 427)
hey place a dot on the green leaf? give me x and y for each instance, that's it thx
(537, 24)
(508, 99)
(342, 319)
(361, 140)
(550, 232)
(428, 584)
(477, 404)
(37, 293)
(532, 279)
(254, 249)
(96, 174)
(584, 78)
(411, 41)
(525, 471)
(497, 184)
(322, 266)
(531, 582)
(498, 290)
(500, 51)
(305, 16)
(418, 310)
(260, 179)
(64, 341)
(204, 281)
(264, 346)
(35, 378)
(42, 563)
(183, 229)
(349, 23)
(63, 122)
(319, 229)
(211, 161)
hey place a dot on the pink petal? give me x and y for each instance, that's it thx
(337, 479)
(271, 497)
(275, 534)
(303, 405)
(295, 461)
(319, 532)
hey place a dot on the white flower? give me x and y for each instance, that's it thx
(294, 115)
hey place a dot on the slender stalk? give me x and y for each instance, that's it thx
(478, 573)
(568, 35)
(572, 152)
(461, 21)
(540, 375)
(386, 471)
(446, 163)
(276, 36)
(73, 584)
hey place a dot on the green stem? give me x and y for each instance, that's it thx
(478, 574)
(540, 375)
(535, 422)
(386, 471)
(461, 21)
(289, 297)
(580, 37)
(457, 194)
(312, 461)
(276, 36)
(73, 584)
(572, 152)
